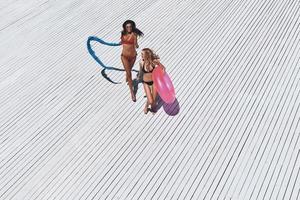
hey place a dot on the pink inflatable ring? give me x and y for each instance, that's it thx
(163, 84)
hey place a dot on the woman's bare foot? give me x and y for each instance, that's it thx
(146, 109)
(133, 97)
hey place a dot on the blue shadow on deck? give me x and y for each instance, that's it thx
(93, 54)
(171, 109)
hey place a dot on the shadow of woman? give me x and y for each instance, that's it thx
(95, 57)
(171, 109)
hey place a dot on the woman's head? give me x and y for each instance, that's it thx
(148, 55)
(129, 26)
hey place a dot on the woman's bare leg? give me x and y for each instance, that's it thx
(149, 96)
(146, 107)
(132, 61)
(127, 67)
(131, 64)
(154, 92)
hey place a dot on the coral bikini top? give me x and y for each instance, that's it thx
(130, 40)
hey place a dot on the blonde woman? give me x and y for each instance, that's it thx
(147, 64)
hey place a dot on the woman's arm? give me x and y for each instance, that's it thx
(135, 41)
(121, 39)
(157, 62)
(140, 73)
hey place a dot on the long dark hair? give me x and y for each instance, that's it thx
(134, 29)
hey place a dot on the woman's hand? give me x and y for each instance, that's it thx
(135, 40)
(140, 73)
(163, 67)
(158, 63)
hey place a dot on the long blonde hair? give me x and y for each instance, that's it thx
(149, 56)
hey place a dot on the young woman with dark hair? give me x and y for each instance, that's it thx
(129, 36)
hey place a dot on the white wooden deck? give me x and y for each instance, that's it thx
(68, 133)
